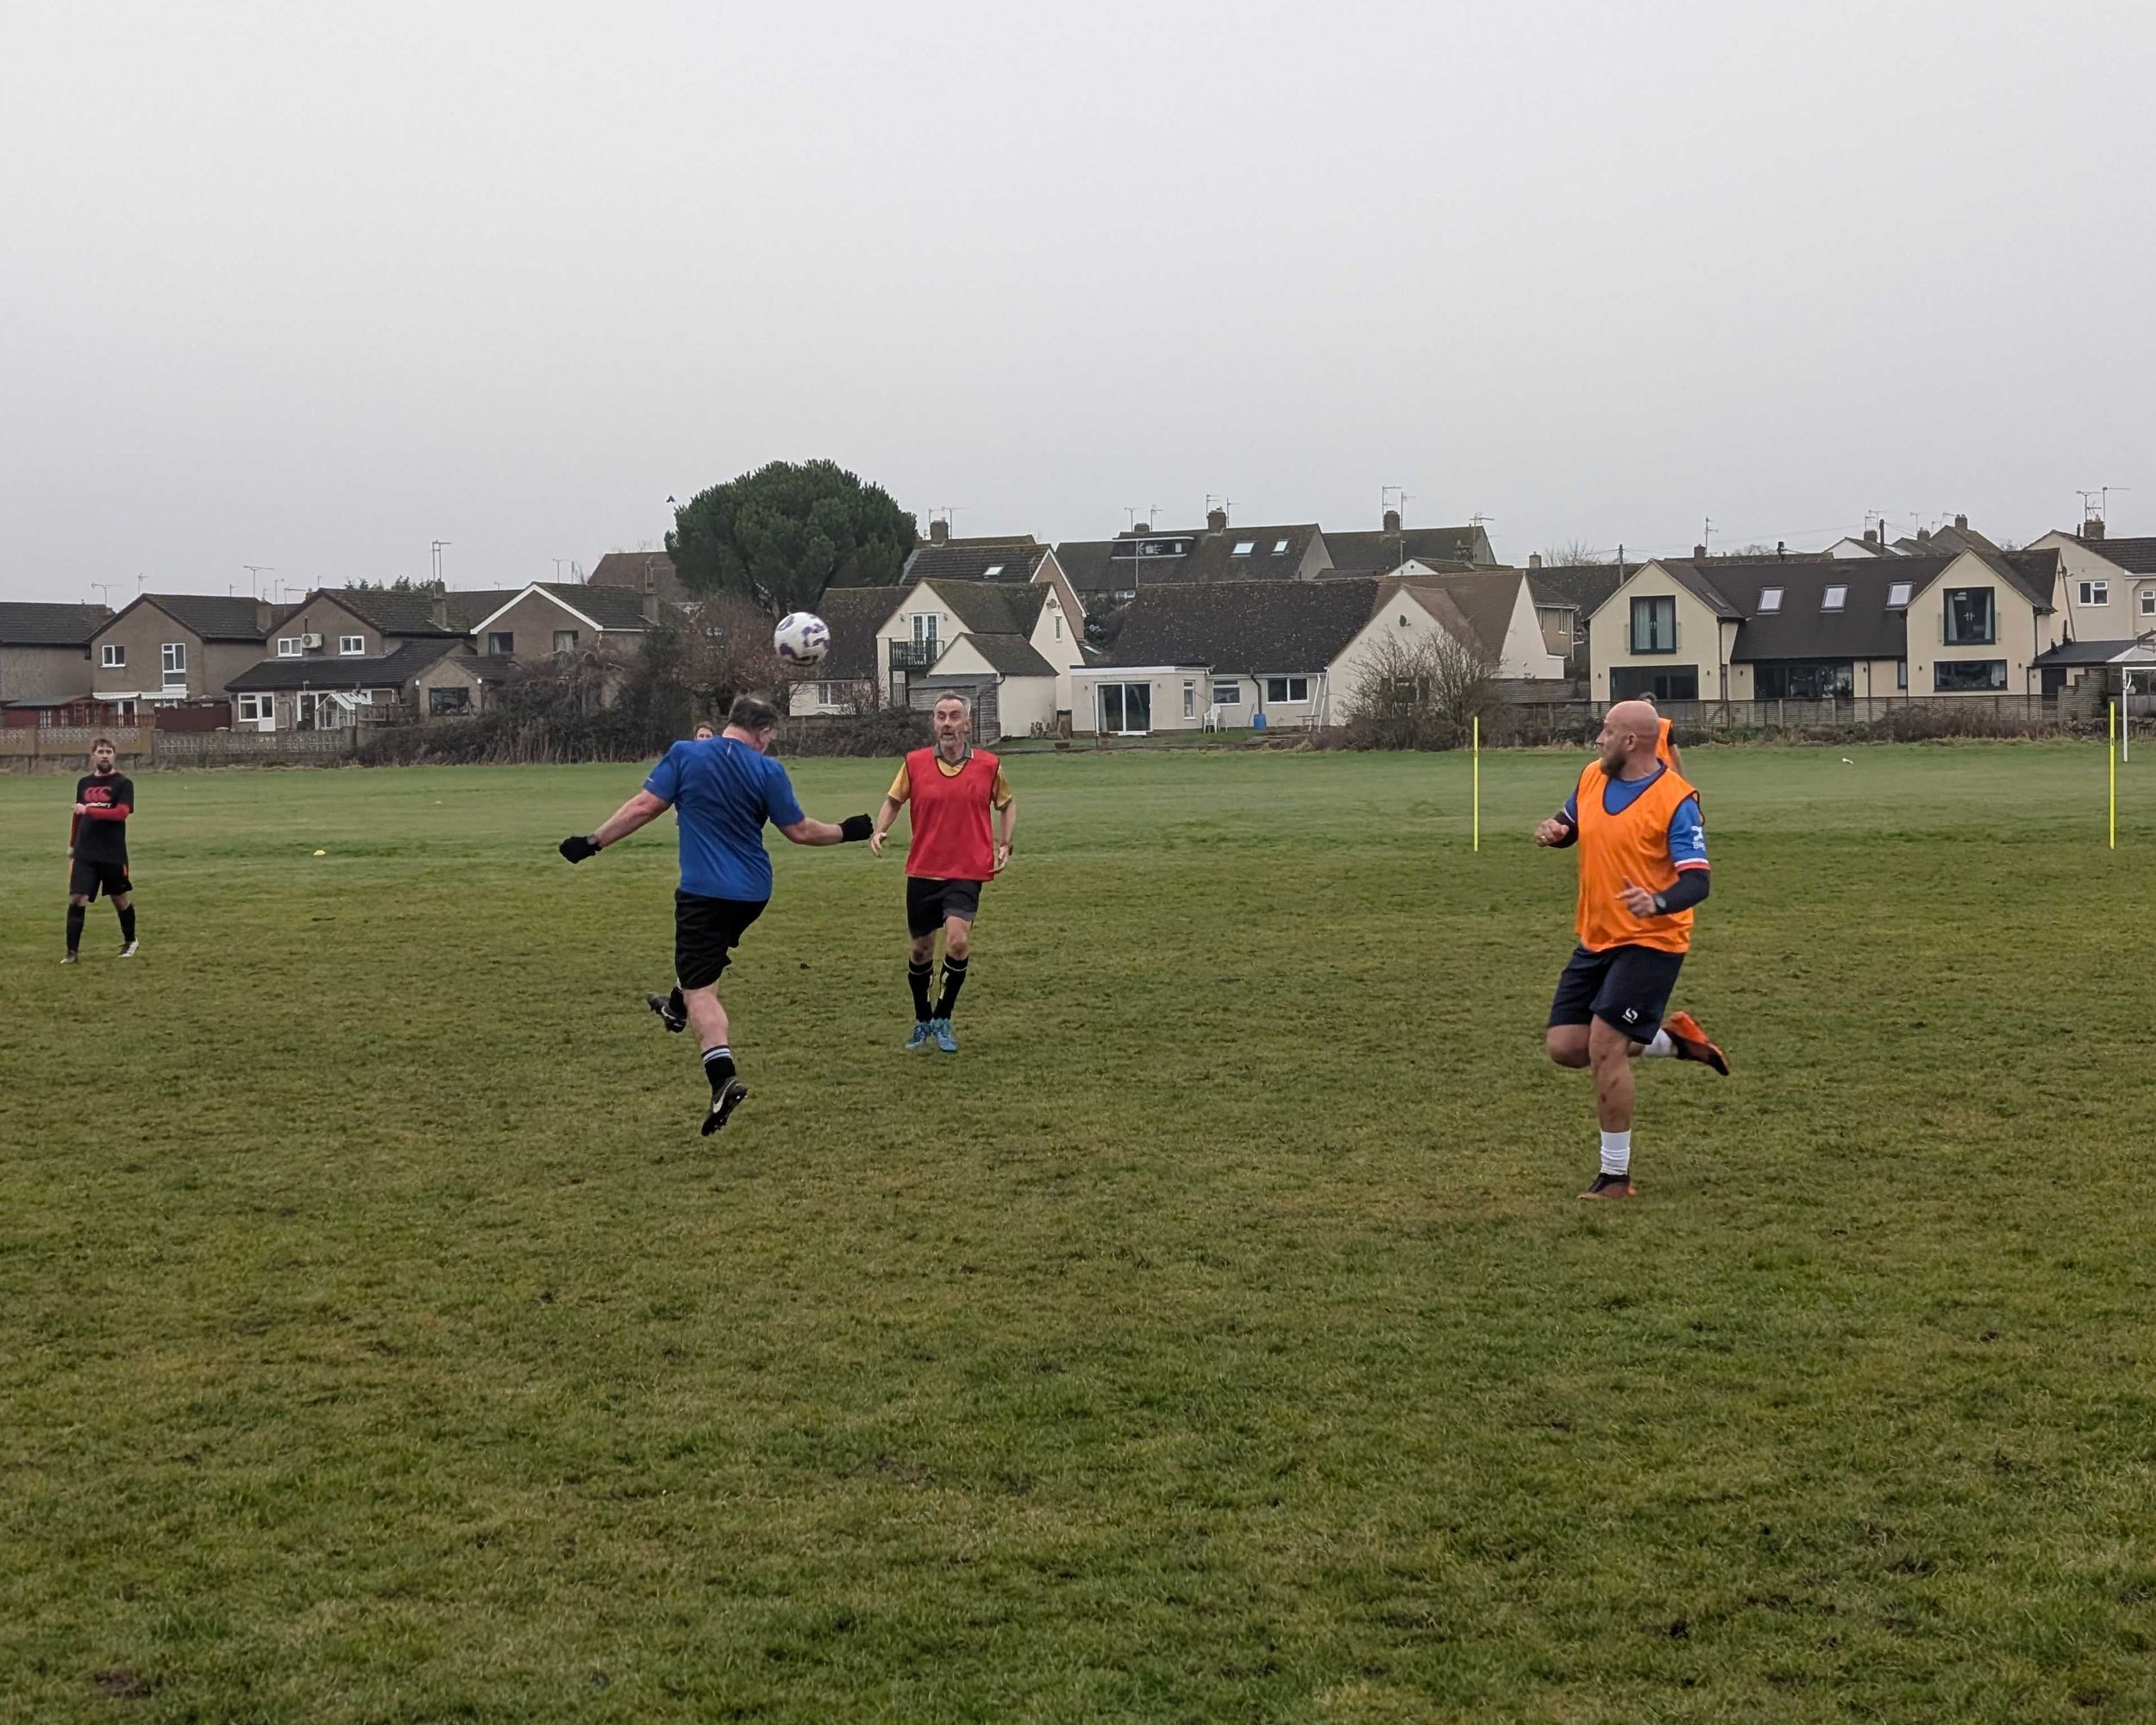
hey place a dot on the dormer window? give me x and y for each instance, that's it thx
(1835, 598)
(1769, 599)
(1898, 595)
(1244, 547)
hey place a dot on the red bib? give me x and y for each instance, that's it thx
(951, 837)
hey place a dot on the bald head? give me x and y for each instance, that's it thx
(1629, 732)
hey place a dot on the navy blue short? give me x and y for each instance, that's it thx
(1627, 987)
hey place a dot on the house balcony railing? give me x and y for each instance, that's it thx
(913, 656)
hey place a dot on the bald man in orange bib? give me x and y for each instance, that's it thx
(1642, 848)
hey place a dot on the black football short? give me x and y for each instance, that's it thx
(929, 904)
(706, 933)
(89, 878)
(1625, 986)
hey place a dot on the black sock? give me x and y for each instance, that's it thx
(718, 1066)
(916, 978)
(127, 923)
(75, 915)
(954, 979)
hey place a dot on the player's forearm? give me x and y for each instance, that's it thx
(850, 831)
(1007, 824)
(886, 816)
(1691, 888)
(113, 812)
(640, 810)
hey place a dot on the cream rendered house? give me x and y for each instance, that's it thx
(2108, 585)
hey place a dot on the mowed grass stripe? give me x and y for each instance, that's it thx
(1216, 1338)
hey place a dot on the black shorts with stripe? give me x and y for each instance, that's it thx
(1627, 987)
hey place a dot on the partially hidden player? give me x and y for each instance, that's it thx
(97, 849)
(1643, 868)
(725, 790)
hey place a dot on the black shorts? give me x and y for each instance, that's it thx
(89, 878)
(929, 903)
(706, 933)
(1627, 987)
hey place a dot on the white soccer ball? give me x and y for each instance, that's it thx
(802, 637)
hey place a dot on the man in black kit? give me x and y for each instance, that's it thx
(98, 847)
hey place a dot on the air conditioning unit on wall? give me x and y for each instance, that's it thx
(310, 642)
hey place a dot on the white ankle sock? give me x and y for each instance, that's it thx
(1660, 1049)
(1617, 1152)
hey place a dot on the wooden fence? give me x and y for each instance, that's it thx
(66, 748)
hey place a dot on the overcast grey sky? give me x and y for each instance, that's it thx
(310, 286)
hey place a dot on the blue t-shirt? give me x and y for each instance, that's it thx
(1688, 829)
(723, 791)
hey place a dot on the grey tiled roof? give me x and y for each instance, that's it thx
(1385, 552)
(377, 671)
(1244, 626)
(28, 624)
(972, 563)
(853, 615)
(1012, 654)
(212, 615)
(1113, 564)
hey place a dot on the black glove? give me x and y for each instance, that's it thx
(576, 850)
(854, 828)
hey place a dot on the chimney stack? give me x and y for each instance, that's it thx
(1216, 521)
(1699, 554)
(938, 531)
(2092, 528)
(1961, 524)
(264, 611)
(440, 609)
(1871, 536)
(1923, 536)
(1534, 560)
(1140, 527)
(650, 607)
(1392, 521)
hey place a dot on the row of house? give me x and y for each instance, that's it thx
(337, 657)
(1229, 626)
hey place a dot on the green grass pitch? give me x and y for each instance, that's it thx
(1217, 1337)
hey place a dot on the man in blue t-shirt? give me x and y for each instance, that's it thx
(725, 789)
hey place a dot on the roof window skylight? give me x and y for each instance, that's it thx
(1769, 599)
(1279, 547)
(992, 572)
(1898, 595)
(1835, 598)
(1244, 547)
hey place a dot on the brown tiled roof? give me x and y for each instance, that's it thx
(961, 561)
(1386, 552)
(631, 569)
(992, 607)
(1114, 565)
(1243, 626)
(27, 623)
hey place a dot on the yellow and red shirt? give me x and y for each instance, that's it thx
(952, 840)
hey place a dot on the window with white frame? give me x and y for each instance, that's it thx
(1228, 692)
(113, 656)
(565, 641)
(288, 646)
(175, 658)
(1244, 547)
(1835, 598)
(351, 646)
(123, 712)
(2148, 601)
(255, 709)
(1280, 547)
(2095, 592)
(1770, 601)
(1898, 595)
(1286, 690)
(1190, 699)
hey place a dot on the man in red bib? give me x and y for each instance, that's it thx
(953, 789)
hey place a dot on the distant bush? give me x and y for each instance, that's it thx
(885, 731)
(1426, 695)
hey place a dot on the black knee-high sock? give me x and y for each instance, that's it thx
(718, 1066)
(127, 922)
(75, 915)
(918, 977)
(954, 979)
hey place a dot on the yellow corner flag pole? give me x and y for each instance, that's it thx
(1478, 782)
(2113, 729)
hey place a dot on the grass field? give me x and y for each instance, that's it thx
(1217, 1337)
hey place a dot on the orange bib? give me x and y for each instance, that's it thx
(1632, 846)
